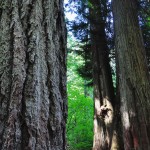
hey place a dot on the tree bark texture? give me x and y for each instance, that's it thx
(103, 85)
(133, 77)
(33, 105)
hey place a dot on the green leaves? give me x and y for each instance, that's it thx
(80, 109)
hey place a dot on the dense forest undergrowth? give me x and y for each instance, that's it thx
(80, 104)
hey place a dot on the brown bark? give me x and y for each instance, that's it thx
(134, 81)
(105, 135)
(33, 105)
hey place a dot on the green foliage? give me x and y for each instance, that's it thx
(90, 4)
(80, 108)
(81, 29)
(144, 20)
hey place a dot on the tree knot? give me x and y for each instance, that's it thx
(104, 111)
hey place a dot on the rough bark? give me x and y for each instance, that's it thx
(105, 137)
(134, 81)
(33, 105)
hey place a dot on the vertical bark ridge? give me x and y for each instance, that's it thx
(27, 9)
(55, 120)
(5, 66)
(18, 77)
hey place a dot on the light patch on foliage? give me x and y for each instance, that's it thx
(80, 108)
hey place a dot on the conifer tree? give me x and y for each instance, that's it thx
(33, 105)
(133, 76)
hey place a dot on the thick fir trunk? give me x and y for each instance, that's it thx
(134, 83)
(103, 86)
(32, 75)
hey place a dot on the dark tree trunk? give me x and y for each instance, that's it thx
(134, 83)
(105, 137)
(33, 105)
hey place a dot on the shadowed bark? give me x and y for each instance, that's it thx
(105, 134)
(133, 77)
(33, 105)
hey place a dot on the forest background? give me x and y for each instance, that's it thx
(79, 74)
(107, 103)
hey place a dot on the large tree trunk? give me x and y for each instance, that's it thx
(134, 83)
(103, 86)
(32, 75)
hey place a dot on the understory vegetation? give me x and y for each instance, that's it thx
(80, 107)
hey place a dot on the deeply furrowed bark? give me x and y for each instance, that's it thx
(33, 105)
(134, 81)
